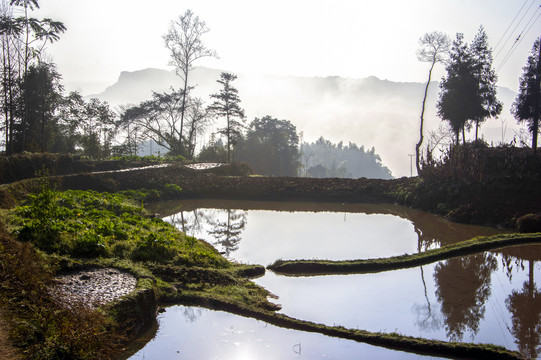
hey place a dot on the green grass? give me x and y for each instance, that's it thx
(475, 245)
(72, 230)
(88, 224)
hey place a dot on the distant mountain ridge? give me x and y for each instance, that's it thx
(368, 111)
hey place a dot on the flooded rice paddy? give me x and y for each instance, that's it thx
(489, 297)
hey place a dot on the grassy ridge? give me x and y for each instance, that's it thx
(60, 231)
(327, 267)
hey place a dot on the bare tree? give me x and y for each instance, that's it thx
(433, 48)
(184, 43)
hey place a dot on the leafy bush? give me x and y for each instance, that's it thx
(42, 212)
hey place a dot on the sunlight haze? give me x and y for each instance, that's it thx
(313, 38)
(354, 40)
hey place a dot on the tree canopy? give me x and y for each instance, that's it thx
(468, 91)
(528, 101)
(270, 147)
(184, 41)
(322, 158)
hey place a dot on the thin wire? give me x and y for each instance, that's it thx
(519, 40)
(509, 26)
(516, 26)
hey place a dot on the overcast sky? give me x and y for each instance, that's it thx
(349, 38)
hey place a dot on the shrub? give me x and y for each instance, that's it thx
(529, 223)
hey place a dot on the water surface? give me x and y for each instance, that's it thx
(490, 297)
(263, 231)
(196, 333)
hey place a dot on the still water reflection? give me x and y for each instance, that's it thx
(490, 297)
(262, 232)
(196, 333)
(485, 298)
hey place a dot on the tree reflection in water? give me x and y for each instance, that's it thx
(227, 232)
(463, 287)
(525, 309)
(225, 226)
(191, 314)
(190, 222)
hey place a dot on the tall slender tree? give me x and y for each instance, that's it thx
(9, 30)
(44, 94)
(186, 46)
(23, 40)
(527, 106)
(227, 105)
(34, 30)
(433, 48)
(459, 97)
(486, 79)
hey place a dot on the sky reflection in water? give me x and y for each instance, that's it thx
(484, 298)
(292, 230)
(196, 333)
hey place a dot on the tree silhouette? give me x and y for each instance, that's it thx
(89, 126)
(270, 147)
(526, 106)
(10, 29)
(486, 79)
(459, 96)
(433, 49)
(159, 119)
(326, 159)
(44, 94)
(23, 40)
(227, 105)
(185, 46)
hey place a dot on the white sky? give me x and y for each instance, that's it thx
(349, 38)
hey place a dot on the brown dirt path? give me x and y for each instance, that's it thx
(7, 350)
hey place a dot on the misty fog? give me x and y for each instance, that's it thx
(369, 112)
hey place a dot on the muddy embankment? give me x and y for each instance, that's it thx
(25, 166)
(499, 201)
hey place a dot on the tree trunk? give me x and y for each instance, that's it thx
(228, 139)
(24, 118)
(6, 73)
(418, 146)
(537, 104)
(183, 108)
